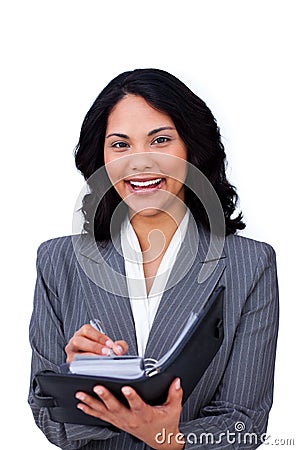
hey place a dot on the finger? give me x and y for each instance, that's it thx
(91, 333)
(120, 347)
(80, 344)
(107, 398)
(175, 393)
(135, 402)
(90, 405)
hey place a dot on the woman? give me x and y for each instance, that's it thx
(146, 148)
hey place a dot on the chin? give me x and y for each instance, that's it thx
(146, 212)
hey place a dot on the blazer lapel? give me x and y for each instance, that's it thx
(188, 294)
(102, 274)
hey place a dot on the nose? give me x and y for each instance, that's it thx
(141, 161)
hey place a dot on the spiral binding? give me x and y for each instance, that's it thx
(150, 366)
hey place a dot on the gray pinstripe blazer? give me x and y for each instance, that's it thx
(238, 384)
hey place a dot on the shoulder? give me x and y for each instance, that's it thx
(66, 249)
(240, 244)
(56, 251)
(55, 245)
(249, 251)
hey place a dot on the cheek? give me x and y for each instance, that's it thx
(177, 170)
(105, 156)
(115, 169)
(116, 172)
(177, 163)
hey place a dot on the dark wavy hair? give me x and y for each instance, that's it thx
(194, 123)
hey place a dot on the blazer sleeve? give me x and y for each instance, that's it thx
(48, 343)
(238, 415)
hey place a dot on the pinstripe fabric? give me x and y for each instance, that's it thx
(238, 384)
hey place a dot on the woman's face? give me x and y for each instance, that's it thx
(145, 157)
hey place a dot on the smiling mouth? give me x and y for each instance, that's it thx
(145, 185)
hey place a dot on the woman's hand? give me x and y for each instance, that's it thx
(141, 420)
(90, 341)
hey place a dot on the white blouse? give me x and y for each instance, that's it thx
(144, 307)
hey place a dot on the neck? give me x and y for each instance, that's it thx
(155, 232)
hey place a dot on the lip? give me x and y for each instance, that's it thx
(144, 178)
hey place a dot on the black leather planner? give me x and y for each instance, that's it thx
(188, 359)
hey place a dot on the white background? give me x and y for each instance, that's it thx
(239, 56)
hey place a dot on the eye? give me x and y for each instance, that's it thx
(120, 145)
(161, 140)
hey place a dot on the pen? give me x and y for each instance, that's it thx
(97, 324)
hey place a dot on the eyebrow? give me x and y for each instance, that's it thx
(156, 130)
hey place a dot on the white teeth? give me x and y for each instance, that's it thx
(145, 183)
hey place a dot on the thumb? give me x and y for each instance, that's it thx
(175, 393)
